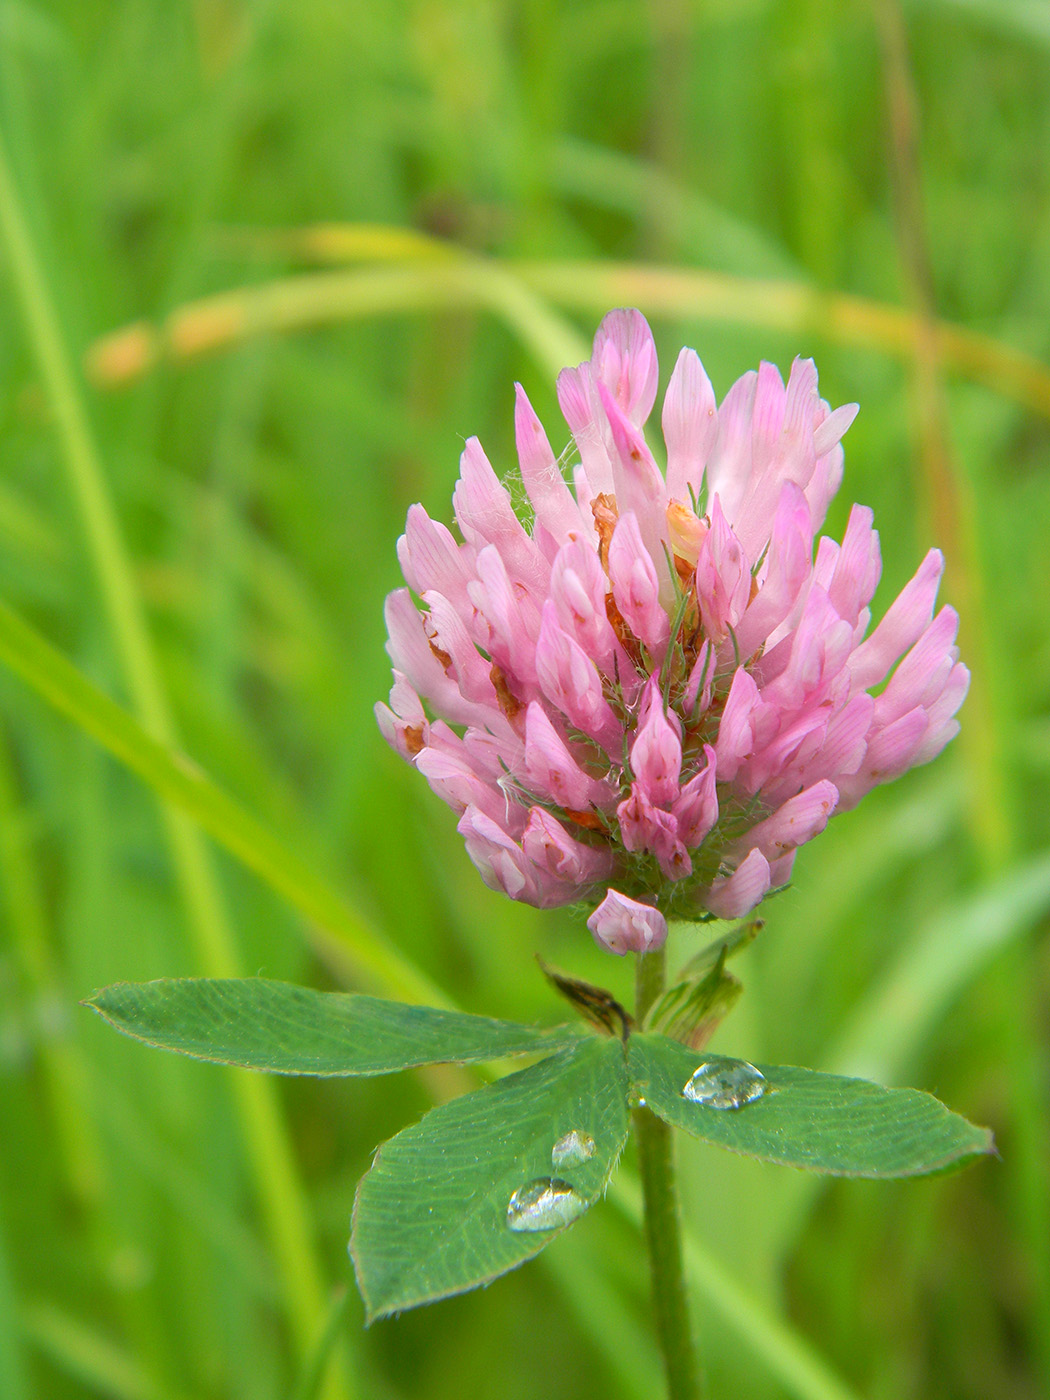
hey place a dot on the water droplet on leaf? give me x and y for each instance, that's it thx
(725, 1084)
(544, 1204)
(573, 1146)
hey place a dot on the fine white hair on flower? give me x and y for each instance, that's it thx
(651, 694)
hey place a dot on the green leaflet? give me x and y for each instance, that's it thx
(822, 1122)
(285, 1029)
(431, 1216)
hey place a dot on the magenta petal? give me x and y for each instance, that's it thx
(623, 925)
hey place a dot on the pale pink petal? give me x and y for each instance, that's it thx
(733, 896)
(736, 733)
(578, 399)
(624, 925)
(644, 827)
(697, 693)
(570, 681)
(639, 487)
(942, 726)
(723, 577)
(550, 847)
(412, 654)
(796, 822)
(553, 502)
(404, 723)
(465, 665)
(453, 779)
(486, 516)
(696, 806)
(690, 424)
(513, 617)
(578, 587)
(553, 772)
(904, 623)
(431, 559)
(785, 575)
(656, 754)
(636, 587)
(624, 361)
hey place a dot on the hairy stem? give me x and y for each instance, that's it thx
(662, 1225)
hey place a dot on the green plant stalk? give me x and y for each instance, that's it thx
(280, 1194)
(663, 1234)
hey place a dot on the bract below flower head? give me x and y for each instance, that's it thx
(650, 699)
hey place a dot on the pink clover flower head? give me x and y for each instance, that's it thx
(650, 698)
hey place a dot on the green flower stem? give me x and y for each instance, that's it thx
(662, 1225)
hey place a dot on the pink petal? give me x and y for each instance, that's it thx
(411, 653)
(638, 482)
(644, 827)
(579, 403)
(723, 577)
(786, 572)
(431, 559)
(453, 780)
(513, 617)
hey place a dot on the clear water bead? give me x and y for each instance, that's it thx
(573, 1146)
(725, 1084)
(544, 1204)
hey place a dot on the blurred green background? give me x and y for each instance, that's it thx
(200, 516)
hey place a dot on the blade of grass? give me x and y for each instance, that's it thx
(949, 505)
(78, 1350)
(13, 1381)
(785, 1352)
(267, 1145)
(63, 1070)
(337, 932)
(896, 1018)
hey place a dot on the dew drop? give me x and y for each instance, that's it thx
(725, 1084)
(573, 1146)
(544, 1204)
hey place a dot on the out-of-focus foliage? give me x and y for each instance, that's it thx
(157, 150)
